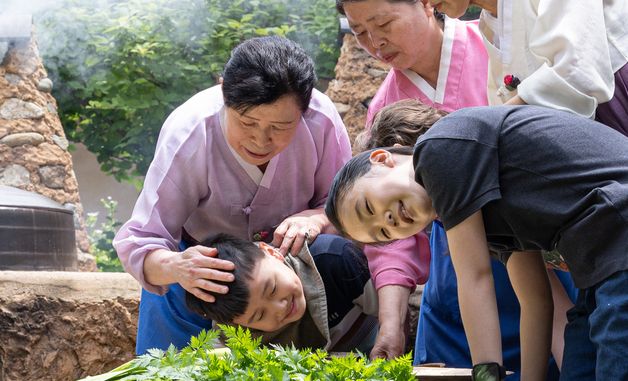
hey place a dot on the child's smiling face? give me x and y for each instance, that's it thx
(386, 203)
(276, 296)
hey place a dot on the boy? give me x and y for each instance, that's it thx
(316, 302)
(515, 180)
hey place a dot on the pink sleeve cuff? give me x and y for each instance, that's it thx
(405, 262)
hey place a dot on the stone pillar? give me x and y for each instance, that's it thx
(33, 148)
(358, 76)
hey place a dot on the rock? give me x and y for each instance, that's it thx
(51, 108)
(4, 48)
(18, 109)
(376, 73)
(13, 79)
(60, 141)
(23, 138)
(14, 175)
(358, 76)
(65, 325)
(86, 262)
(53, 176)
(45, 85)
(342, 108)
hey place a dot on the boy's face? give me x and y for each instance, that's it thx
(386, 203)
(276, 299)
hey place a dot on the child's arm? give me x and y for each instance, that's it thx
(476, 293)
(562, 303)
(528, 277)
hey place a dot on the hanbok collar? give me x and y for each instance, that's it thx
(260, 178)
(501, 28)
(437, 95)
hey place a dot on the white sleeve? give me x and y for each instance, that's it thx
(569, 38)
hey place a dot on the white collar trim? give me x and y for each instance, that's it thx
(437, 95)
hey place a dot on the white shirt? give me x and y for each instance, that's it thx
(565, 52)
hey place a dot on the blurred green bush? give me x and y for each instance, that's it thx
(120, 67)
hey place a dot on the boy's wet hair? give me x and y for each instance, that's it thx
(245, 256)
(401, 122)
(340, 7)
(263, 69)
(344, 180)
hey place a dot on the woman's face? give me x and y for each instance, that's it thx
(452, 8)
(399, 34)
(262, 132)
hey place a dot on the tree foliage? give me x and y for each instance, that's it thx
(120, 67)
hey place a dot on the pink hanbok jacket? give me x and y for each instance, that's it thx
(195, 180)
(463, 67)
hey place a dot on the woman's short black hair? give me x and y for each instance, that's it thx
(344, 180)
(263, 69)
(245, 256)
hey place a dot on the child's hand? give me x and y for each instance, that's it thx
(291, 234)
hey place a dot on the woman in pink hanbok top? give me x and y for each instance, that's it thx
(253, 157)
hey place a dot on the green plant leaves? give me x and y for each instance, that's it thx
(248, 361)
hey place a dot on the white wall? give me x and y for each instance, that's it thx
(95, 185)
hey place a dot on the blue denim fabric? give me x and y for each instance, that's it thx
(596, 337)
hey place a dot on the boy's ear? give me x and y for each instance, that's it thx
(381, 156)
(270, 250)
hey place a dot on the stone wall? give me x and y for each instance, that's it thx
(65, 325)
(33, 148)
(358, 76)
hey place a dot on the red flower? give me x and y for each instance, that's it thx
(511, 82)
(261, 236)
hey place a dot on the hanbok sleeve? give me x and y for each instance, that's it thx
(569, 38)
(175, 182)
(403, 263)
(333, 146)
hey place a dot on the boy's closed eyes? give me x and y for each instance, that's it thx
(266, 294)
(276, 298)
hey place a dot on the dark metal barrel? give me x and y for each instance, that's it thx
(36, 233)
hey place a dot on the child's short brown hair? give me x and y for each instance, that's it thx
(401, 122)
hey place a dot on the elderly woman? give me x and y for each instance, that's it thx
(253, 157)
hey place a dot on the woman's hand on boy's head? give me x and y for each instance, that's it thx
(292, 233)
(197, 267)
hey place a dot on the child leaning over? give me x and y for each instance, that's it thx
(402, 123)
(327, 301)
(515, 181)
